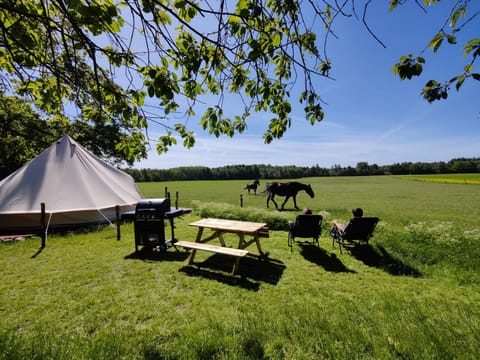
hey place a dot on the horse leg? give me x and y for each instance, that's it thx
(286, 199)
(276, 205)
(273, 200)
(295, 202)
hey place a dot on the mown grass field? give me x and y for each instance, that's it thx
(412, 293)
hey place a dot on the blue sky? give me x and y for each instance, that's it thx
(370, 114)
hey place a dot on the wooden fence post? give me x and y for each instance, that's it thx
(117, 215)
(43, 225)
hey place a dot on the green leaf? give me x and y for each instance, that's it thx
(393, 4)
(179, 4)
(234, 20)
(459, 83)
(472, 46)
(165, 142)
(408, 67)
(451, 39)
(276, 39)
(267, 137)
(434, 91)
(162, 17)
(461, 11)
(243, 8)
(436, 42)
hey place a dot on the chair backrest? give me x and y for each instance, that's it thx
(308, 226)
(360, 228)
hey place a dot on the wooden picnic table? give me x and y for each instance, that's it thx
(221, 227)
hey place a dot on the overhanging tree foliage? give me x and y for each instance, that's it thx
(24, 134)
(458, 18)
(72, 54)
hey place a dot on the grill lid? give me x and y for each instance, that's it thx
(153, 206)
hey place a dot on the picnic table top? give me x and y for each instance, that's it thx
(235, 226)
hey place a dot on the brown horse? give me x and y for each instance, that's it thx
(252, 186)
(289, 190)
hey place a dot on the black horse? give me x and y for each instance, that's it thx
(289, 190)
(252, 186)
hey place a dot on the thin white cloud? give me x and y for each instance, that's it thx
(391, 131)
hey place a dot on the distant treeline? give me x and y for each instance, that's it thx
(251, 172)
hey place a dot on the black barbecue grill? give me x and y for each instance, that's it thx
(149, 223)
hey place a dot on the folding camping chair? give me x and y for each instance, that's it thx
(359, 228)
(305, 226)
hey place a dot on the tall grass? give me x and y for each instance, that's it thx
(412, 293)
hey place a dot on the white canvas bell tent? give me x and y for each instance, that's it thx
(76, 187)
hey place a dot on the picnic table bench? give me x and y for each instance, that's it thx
(221, 227)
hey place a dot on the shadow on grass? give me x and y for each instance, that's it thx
(252, 270)
(287, 210)
(319, 256)
(150, 254)
(221, 277)
(381, 259)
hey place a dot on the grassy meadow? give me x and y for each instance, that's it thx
(412, 293)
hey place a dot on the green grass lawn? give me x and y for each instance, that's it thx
(413, 293)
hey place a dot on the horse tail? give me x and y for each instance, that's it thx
(267, 188)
